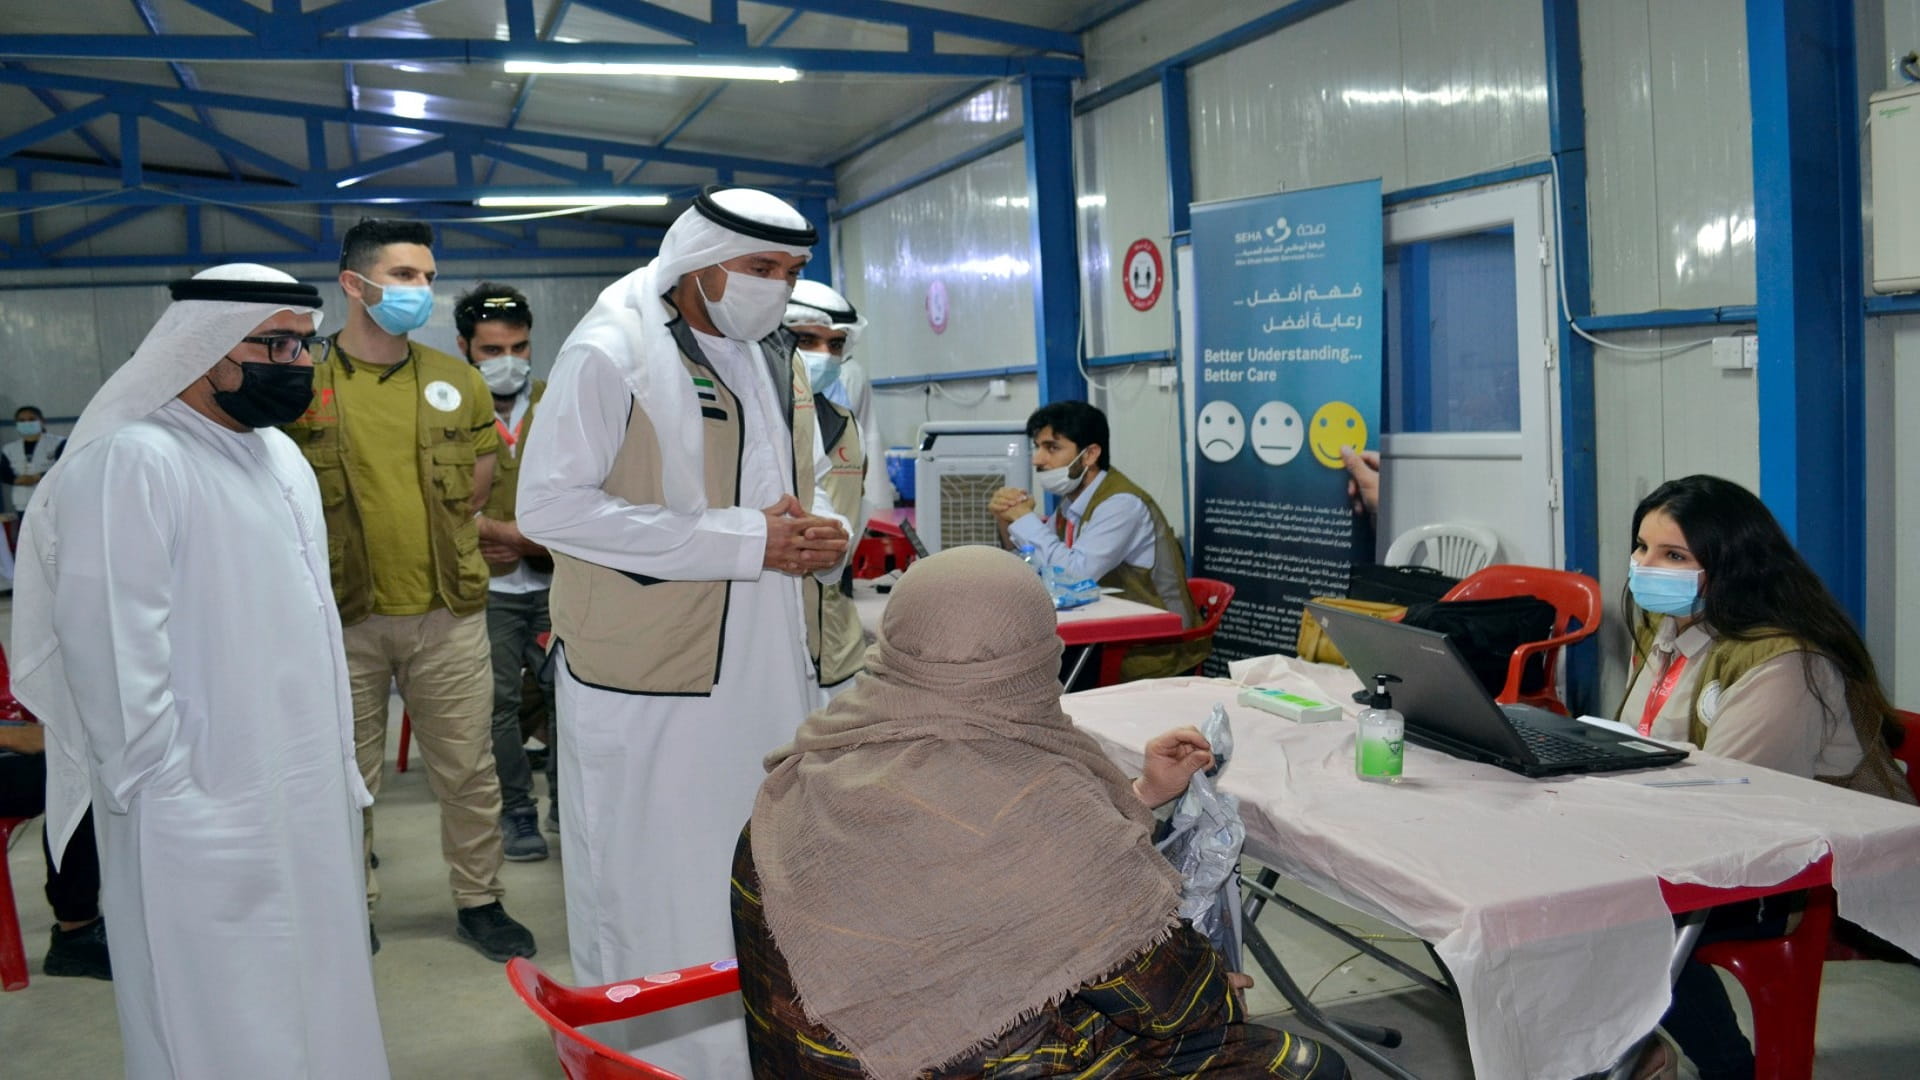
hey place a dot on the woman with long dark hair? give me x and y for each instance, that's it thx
(1740, 650)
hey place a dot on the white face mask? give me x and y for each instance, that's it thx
(505, 374)
(750, 308)
(1061, 481)
(823, 370)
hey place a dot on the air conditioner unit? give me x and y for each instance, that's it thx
(961, 464)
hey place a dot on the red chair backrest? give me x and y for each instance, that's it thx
(564, 1009)
(1575, 597)
(1212, 598)
(1908, 752)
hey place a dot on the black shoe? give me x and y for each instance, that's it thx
(81, 952)
(491, 930)
(520, 836)
(373, 940)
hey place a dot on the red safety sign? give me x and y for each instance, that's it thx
(1142, 272)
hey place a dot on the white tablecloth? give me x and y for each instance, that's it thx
(1542, 896)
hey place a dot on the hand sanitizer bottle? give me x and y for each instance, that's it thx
(1380, 744)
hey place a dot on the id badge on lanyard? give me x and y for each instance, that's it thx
(1662, 690)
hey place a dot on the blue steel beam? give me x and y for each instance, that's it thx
(1048, 126)
(238, 12)
(182, 74)
(931, 20)
(820, 266)
(92, 229)
(227, 145)
(1810, 293)
(341, 14)
(714, 34)
(240, 48)
(1579, 430)
(55, 106)
(61, 123)
(151, 193)
(520, 26)
(367, 118)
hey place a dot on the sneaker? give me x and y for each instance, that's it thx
(521, 831)
(491, 930)
(81, 952)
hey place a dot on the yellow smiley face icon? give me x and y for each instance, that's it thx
(1335, 425)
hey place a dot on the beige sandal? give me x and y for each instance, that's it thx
(1659, 1060)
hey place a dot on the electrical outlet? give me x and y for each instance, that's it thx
(997, 388)
(1750, 351)
(1728, 353)
(1165, 376)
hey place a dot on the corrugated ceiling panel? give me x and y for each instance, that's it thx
(990, 113)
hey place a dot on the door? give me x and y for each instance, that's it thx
(1471, 412)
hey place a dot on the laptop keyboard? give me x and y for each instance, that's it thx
(1553, 748)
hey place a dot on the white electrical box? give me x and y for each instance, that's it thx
(1893, 128)
(960, 464)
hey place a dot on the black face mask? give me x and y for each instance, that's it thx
(268, 395)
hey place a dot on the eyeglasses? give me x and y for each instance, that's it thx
(496, 307)
(286, 348)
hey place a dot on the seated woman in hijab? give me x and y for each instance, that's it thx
(945, 878)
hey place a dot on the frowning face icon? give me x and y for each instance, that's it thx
(1219, 431)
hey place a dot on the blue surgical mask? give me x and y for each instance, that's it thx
(402, 308)
(1665, 590)
(28, 429)
(823, 369)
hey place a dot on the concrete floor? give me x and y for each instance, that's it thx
(441, 1002)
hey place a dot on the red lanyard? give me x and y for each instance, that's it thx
(1066, 527)
(506, 433)
(1662, 690)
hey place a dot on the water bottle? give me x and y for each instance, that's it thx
(1380, 743)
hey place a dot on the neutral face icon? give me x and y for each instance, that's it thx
(1276, 432)
(1220, 431)
(1335, 425)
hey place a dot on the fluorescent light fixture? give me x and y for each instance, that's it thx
(410, 103)
(684, 71)
(570, 200)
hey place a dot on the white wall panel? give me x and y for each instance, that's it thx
(1897, 521)
(1902, 37)
(1670, 153)
(1411, 91)
(1659, 418)
(989, 113)
(1318, 103)
(1475, 85)
(901, 410)
(969, 231)
(1121, 167)
(1143, 419)
(1147, 34)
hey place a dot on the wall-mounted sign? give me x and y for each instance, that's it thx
(937, 306)
(1143, 274)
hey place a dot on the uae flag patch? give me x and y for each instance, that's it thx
(709, 399)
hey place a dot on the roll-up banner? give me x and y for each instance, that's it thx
(1287, 373)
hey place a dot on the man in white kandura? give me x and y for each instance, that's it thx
(176, 632)
(675, 476)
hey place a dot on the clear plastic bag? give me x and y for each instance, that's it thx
(1204, 845)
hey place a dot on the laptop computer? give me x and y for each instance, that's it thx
(1447, 708)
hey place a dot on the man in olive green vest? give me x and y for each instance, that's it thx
(1106, 528)
(402, 440)
(495, 324)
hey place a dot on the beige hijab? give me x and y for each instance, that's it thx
(941, 853)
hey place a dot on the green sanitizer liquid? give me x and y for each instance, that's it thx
(1380, 743)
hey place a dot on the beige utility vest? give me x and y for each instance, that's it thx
(843, 644)
(640, 635)
(1163, 586)
(503, 501)
(446, 458)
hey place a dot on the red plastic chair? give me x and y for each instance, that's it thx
(13, 950)
(1576, 615)
(1781, 977)
(1210, 596)
(565, 1009)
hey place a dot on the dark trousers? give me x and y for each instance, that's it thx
(1701, 1018)
(515, 622)
(74, 889)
